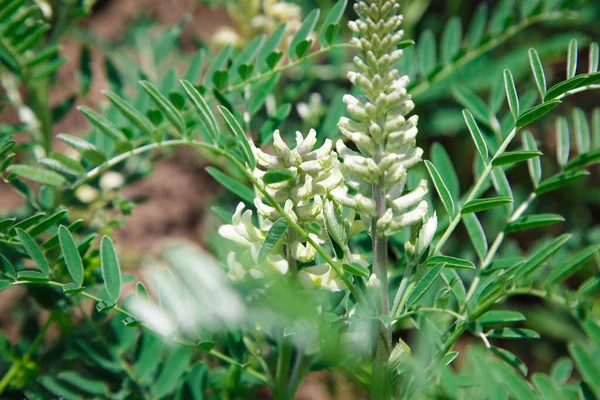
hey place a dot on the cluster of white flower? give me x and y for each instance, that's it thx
(317, 176)
(379, 124)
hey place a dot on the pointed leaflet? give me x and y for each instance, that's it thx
(34, 251)
(278, 175)
(331, 22)
(427, 53)
(540, 257)
(441, 188)
(269, 46)
(424, 284)
(47, 223)
(513, 157)
(544, 385)
(277, 230)
(515, 384)
(111, 272)
(497, 317)
(37, 174)
(538, 72)
(165, 106)
(247, 54)
(476, 135)
(443, 163)
(513, 333)
(71, 255)
(476, 234)
(511, 94)
(233, 185)
(478, 205)
(451, 40)
(536, 112)
(584, 160)
(238, 132)
(451, 262)
(473, 103)
(103, 124)
(572, 59)
(563, 143)
(534, 164)
(130, 113)
(303, 33)
(573, 265)
(560, 180)
(533, 221)
(202, 108)
(587, 366)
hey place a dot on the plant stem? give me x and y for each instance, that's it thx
(380, 387)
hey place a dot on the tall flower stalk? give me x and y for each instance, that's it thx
(384, 136)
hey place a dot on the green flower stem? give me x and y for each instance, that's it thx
(484, 175)
(496, 244)
(16, 366)
(213, 352)
(488, 46)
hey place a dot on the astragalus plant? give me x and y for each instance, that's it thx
(345, 251)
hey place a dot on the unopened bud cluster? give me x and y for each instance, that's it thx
(379, 124)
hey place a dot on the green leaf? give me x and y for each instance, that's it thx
(102, 123)
(534, 164)
(448, 358)
(478, 205)
(443, 163)
(470, 100)
(269, 46)
(573, 265)
(273, 236)
(27, 222)
(544, 385)
(6, 268)
(47, 223)
(593, 57)
(584, 160)
(171, 373)
(427, 53)
(497, 317)
(304, 32)
(202, 108)
(331, 20)
(130, 113)
(587, 366)
(561, 370)
(512, 157)
(165, 106)
(424, 284)
(536, 113)
(4, 284)
(238, 132)
(511, 359)
(565, 86)
(451, 40)
(63, 164)
(37, 174)
(532, 221)
(356, 269)
(247, 54)
(477, 26)
(500, 17)
(541, 256)
(32, 276)
(34, 251)
(233, 185)
(511, 94)
(85, 70)
(278, 175)
(560, 180)
(572, 59)
(538, 72)
(260, 93)
(516, 386)
(83, 383)
(441, 188)
(5, 223)
(582, 131)
(111, 272)
(451, 262)
(476, 135)
(404, 44)
(113, 75)
(476, 234)
(513, 333)
(562, 141)
(71, 255)
(88, 150)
